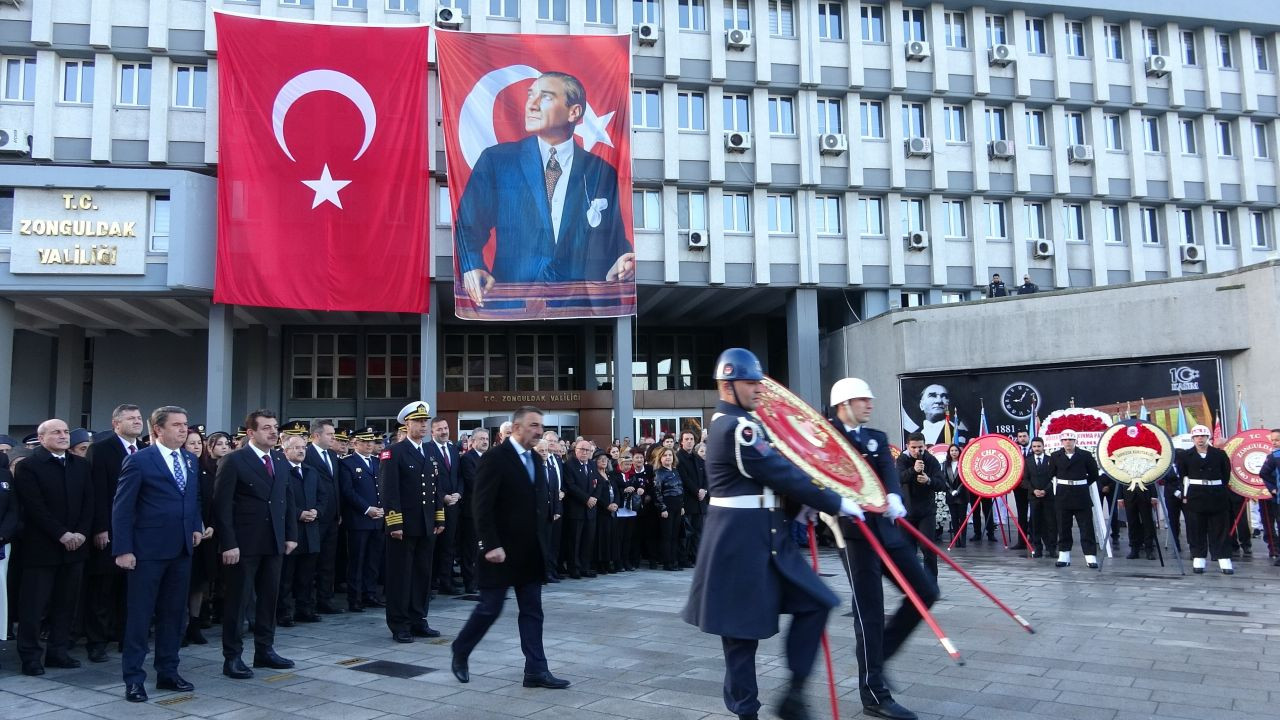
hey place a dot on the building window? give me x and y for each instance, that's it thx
(913, 24)
(599, 12)
(957, 219)
(872, 23)
(1225, 146)
(872, 211)
(77, 81)
(1035, 221)
(693, 15)
(782, 115)
(510, 9)
(996, 227)
(912, 215)
(643, 11)
(957, 35)
(782, 18)
(826, 215)
(913, 120)
(997, 124)
(910, 299)
(391, 365)
(1113, 222)
(737, 15)
(949, 298)
(476, 362)
(1150, 226)
(135, 84)
(997, 32)
(692, 109)
(1187, 219)
(1189, 48)
(160, 223)
(1073, 220)
(1036, 42)
(1224, 51)
(872, 112)
(6, 210)
(444, 208)
(782, 215)
(954, 115)
(350, 5)
(407, 6)
(831, 20)
(646, 108)
(323, 366)
(1261, 148)
(19, 79)
(829, 115)
(545, 361)
(691, 210)
(1113, 41)
(189, 83)
(1188, 126)
(1152, 36)
(1115, 132)
(737, 212)
(1075, 39)
(1037, 135)
(646, 209)
(1222, 227)
(1261, 57)
(1075, 128)
(1261, 238)
(558, 10)
(1151, 133)
(737, 113)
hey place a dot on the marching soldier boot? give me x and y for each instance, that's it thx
(1205, 471)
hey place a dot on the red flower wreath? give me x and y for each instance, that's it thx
(1135, 436)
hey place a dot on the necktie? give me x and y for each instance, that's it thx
(553, 175)
(528, 465)
(177, 473)
(444, 452)
(327, 463)
(297, 472)
(132, 449)
(271, 470)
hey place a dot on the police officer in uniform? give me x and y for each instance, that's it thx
(738, 589)
(851, 398)
(1205, 471)
(414, 517)
(1074, 469)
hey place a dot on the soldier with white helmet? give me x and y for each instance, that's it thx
(1204, 471)
(1073, 470)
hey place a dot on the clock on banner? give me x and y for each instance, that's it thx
(1020, 400)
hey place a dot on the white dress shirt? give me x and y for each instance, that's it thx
(564, 156)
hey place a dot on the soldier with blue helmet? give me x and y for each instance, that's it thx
(749, 571)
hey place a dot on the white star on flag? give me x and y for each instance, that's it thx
(594, 128)
(326, 189)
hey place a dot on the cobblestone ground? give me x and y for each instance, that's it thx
(1133, 641)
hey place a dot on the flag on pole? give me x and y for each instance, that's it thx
(982, 420)
(946, 428)
(1182, 418)
(1217, 430)
(1242, 415)
(1143, 413)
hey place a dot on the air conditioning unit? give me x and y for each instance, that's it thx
(1158, 65)
(648, 33)
(697, 239)
(832, 143)
(1002, 55)
(450, 18)
(737, 39)
(15, 142)
(919, 147)
(1080, 154)
(1000, 149)
(1192, 254)
(917, 240)
(917, 50)
(1043, 249)
(737, 141)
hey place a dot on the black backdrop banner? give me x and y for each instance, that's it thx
(1011, 396)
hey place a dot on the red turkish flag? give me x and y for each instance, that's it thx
(323, 176)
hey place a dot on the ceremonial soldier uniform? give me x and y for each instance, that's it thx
(749, 570)
(414, 516)
(1072, 474)
(362, 517)
(1205, 471)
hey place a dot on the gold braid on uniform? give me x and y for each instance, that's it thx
(440, 516)
(394, 518)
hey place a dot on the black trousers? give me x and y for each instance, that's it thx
(984, 507)
(957, 510)
(1022, 500)
(1242, 536)
(1084, 518)
(1270, 526)
(408, 580)
(693, 533)
(1142, 522)
(364, 557)
(574, 536)
(446, 548)
(469, 550)
(1044, 524)
(628, 549)
(925, 524)
(156, 588)
(1176, 513)
(326, 563)
(1207, 534)
(297, 585)
(259, 574)
(49, 592)
(606, 541)
(555, 533)
(670, 531)
(102, 607)
(529, 621)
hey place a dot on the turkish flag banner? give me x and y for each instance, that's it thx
(537, 143)
(323, 175)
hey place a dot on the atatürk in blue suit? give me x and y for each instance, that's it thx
(507, 194)
(155, 520)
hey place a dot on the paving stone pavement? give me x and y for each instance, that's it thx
(1130, 642)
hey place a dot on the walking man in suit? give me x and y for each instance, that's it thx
(321, 457)
(511, 492)
(256, 522)
(450, 483)
(156, 519)
(468, 541)
(362, 516)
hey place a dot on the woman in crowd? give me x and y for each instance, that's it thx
(957, 493)
(8, 528)
(647, 531)
(632, 489)
(606, 514)
(204, 566)
(668, 494)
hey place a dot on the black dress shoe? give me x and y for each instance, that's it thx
(69, 663)
(545, 680)
(194, 635)
(327, 609)
(451, 590)
(32, 669)
(270, 659)
(1036, 554)
(793, 707)
(402, 636)
(174, 682)
(424, 631)
(354, 607)
(589, 574)
(284, 622)
(372, 602)
(1092, 565)
(1228, 571)
(575, 576)
(460, 669)
(134, 692)
(889, 709)
(552, 579)
(97, 654)
(750, 716)
(1198, 571)
(308, 618)
(236, 669)
(1133, 554)
(1151, 554)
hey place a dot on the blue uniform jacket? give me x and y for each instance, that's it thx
(874, 446)
(749, 570)
(360, 492)
(150, 517)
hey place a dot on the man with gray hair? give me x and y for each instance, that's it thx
(468, 541)
(504, 432)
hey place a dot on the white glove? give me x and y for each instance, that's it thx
(807, 515)
(896, 509)
(1177, 493)
(852, 509)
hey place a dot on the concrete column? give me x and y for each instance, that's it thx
(428, 348)
(624, 401)
(69, 383)
(7, 327)
(221, 345)
(804, 374)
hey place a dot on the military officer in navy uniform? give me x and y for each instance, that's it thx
(739, 589)
(362, 515)
(414, 512)
(1205, 471)
(852, 401)
(1073, 470)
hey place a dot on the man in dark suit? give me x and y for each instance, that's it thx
(445, 454)
(1037, 478)
(297, 602)
(56, 496)
(256, 525)
(580, 511)
(322, 458)
(511, 490)
(551, 205)
(693, 476)
(468, 541)
(102, 604)
(549, 448)
(362, 516)
(155, 516)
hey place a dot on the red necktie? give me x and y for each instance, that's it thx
(271, 470)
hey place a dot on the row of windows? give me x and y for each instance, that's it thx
(189, 84)
(407, 6)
